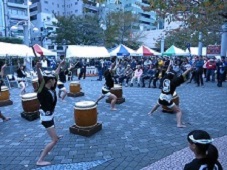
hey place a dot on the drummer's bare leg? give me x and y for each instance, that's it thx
(64, 94)
(113, 100)
(59, 93)
(54, 139)
(154, 109)
(22, 91)
(178, 111)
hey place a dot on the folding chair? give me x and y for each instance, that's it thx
(12, 79)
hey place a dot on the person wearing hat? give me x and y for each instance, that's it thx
(47, 97)
(170, 83)
(206, 154)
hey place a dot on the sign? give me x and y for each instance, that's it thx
(213, 50)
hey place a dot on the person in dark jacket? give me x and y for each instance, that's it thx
(206, 154)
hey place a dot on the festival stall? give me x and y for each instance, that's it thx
(87, 52)
(146, 51)
(122, 51)
(174, 51)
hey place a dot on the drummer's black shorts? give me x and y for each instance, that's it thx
(48, 124)
(166, 103)
(60, 86)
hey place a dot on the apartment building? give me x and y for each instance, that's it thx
(11, 12)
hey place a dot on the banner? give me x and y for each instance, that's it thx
(213, 50)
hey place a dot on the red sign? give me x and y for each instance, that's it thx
(213, 50)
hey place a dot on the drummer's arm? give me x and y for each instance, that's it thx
(2, 70)
(57, 71)
(39, 73)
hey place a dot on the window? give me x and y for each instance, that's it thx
(46, 2)
(76, 3)
(59, 47)
(76, 11)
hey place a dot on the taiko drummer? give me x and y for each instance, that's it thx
(48, 99)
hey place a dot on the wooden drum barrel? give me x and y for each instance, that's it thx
(175, 99)
(4, 93)
(30, 102)
(35, 84)
(85, 114)
(117, 91)
(74, 87)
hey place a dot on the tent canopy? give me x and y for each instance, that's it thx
(146, 51)
(174, 51)
(78, 51)
(195, 51)
(43, 51)
(19, 50)
(122, 50)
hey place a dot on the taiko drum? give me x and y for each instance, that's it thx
(117, 91)
(74, 87)
(85, 114)
(30, 102)
(4, 94)
(35, 84)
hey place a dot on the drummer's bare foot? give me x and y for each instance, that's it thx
(181, 126)
(6, 119)
(113, 109)
(42, 163)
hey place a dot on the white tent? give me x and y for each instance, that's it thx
(78, 51)
(195, 50)
(20, 50)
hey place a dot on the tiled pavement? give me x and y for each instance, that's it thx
(130, 139)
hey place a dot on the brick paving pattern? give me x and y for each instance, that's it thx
(130, 139)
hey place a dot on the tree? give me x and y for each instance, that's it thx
(204, 16)
(11, 40)
(79, 30)
(120, 29)
(182, 37)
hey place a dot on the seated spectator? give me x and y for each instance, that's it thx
(119, 73)
(157, 74)
(44, 63)
(127, 75)
(137, 75)
(206, 154)
(147, 62)
(148, 73)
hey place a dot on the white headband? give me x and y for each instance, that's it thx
(201, 141)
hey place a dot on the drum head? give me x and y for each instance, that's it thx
(59, 83)
(85, 104)
(74, 82)
(4, 88)
(35, 80)
(29, 96)
(117, 86)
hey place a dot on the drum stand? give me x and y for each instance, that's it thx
(5, 103)
(30, 116)
(85, 131)
(78, 94)
(119, 100)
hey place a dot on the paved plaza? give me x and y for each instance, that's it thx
(129, 139)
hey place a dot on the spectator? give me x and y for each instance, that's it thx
(127, 75)
(119, 73)
(137, 75)
(21, 76)
(199, 70)
(148, 73)
(211, 67)
(44, 63)
(206, 154)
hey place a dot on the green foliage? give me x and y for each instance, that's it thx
(181, 37)
(11, 40)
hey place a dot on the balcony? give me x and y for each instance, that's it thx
(91, 7)
(18, 17)
(16, 5)
(33, 13)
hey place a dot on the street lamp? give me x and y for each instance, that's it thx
(26, 29)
